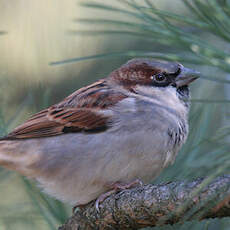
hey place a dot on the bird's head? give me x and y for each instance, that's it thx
(151, 75)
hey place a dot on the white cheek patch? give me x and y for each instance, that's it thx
(171, 99)
(166, 95)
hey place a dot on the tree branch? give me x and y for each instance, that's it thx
(156, 205)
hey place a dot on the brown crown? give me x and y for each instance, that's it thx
(139, 71)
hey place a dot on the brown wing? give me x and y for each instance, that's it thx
(81, 111)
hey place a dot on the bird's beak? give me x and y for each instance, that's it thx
(186, 76)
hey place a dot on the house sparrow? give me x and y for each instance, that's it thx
(109, 135)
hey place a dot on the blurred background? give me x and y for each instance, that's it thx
(42, 45)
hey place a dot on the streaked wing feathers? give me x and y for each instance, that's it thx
(81, 111)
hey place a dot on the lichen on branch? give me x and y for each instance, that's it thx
(157, 205)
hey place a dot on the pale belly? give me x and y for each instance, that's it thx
(80, 168)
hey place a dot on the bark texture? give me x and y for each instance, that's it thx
(156, 205)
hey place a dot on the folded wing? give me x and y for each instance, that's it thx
(85, 110)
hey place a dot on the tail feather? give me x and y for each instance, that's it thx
(14, 155)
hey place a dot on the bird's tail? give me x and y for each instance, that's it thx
(14, 155)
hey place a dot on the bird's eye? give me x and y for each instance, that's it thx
(159, 77)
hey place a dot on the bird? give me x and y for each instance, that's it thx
(117, 132)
